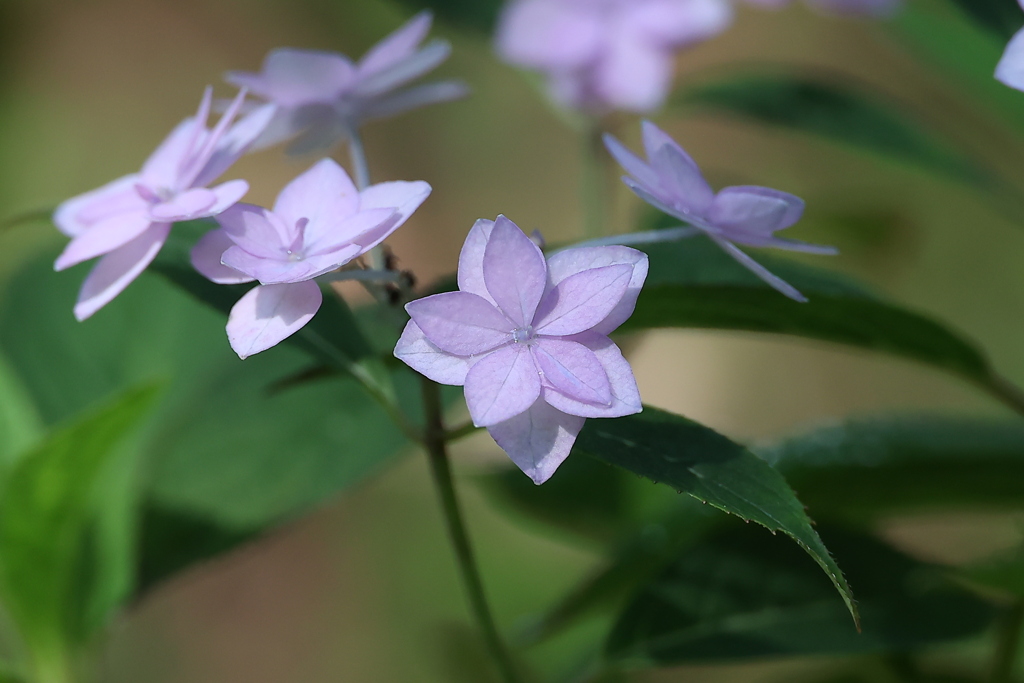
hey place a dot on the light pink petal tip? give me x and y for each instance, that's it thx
(268, 314)
(515, 271)
(538, 440)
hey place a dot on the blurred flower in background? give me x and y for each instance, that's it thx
(603, 55)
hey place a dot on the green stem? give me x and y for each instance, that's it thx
(437, 451)
(594, 182)
(360, 169)
(456, 433)
(1006, 391)
(1008, 644)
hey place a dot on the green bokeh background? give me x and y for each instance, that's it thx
(366, 589)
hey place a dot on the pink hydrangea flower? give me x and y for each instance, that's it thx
(1010, 69)
(607, 54)
(127, 221)
(877, 8)
(528, 339)
(319, 223)
(671, 182)
(325, 96)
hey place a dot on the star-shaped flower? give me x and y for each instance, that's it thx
(746, 214)
(127, 221)
(324, 96)
(607, 54)
(319, 223)
(528, 339)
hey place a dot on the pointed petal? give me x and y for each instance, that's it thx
(76, 215)
(416, 351)
(402, 195)
(549, 35)
(631, 163)
(256, 230)
(571, 261)
(272, 271)
(206, 255)
(399, 45)
(757, 269)
(625, 395)
(363, 229)
(750, 213)
(1010, 69)
(228, 194)
(471, 260)
(663, 205)
(681, 180)
(400, 73)
(572, 369)
(514, 271)
(103, 238)
(241, 138)
(581, 301)
(538, 440)
(323, 194)
(184, 206)
(164, 165)
(460, 323)
(293, 77)
(268, 314)
(116, 270)
(677, 24)
(501, 385)
(415, 97)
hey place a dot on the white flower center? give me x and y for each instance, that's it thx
(522, 335)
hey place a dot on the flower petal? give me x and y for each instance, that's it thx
(402, 195)
(631, 163)
(471, 259)
(581, 301)
(184, 206)
(634, 75)
(1010, 69)
(677, 24)
(103, 237)
(757, 269)
(572, 369)
(268, 314)
(622, 384)
(549, 35)
(257, 230)
(116, 270)
(414, 97)
(164, 165)
(681, 181)
(78, 214)
(538, 440)
(572, 261)
(363, 229)
(416, 351)
(241, 137)
(399, 45)
(750, 214)
(514, 271)
(322, 194)
(293, 77)
(206, 256)
(460, 323)
(400, 73)
(272, 271)
(501, 385)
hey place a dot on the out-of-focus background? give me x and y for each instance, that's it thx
(366, 589)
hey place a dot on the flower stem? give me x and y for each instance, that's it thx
(594, 182)
(360, 169)
(437, 452)
(1008, 644)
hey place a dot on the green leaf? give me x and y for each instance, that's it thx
(1002, 17)
(698, 461)
(864, 468)
(20, 425)
(56, 581)
(479, 15)
(222, 447)
(741, 595)
(835, 110)
(692, 283)
(1004, 573)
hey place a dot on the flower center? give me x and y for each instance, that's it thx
(522, 335)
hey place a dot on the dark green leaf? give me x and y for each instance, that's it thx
(1005, 573)
(1002, 17)
(832, 109)
(696, 460)
(742, 595)
(692, 283)
(480, 15)
(875, 467)
(53, 572)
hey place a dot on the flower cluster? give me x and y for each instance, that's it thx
(528, 338)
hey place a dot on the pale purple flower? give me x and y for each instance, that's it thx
(1010, 69)
(127, 221)
(319, 223)
(747, 214)
(876, 8)
(325, 96)
(529, 340)
(601, 55)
